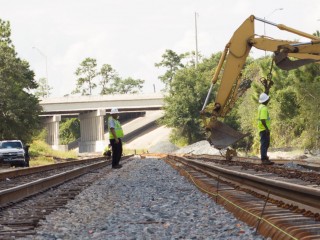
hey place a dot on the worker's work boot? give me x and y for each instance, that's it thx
(117, 167)
(266, 162)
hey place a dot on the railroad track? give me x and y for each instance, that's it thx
(306, 163)
(36, 192)
(15, 177)
(280, 203)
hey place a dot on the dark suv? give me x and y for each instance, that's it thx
(13, 153)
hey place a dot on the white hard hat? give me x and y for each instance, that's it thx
(114, 111)
(263, 98)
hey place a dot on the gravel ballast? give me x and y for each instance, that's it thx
(145, 199)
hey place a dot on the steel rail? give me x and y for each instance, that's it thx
(18, 193)
(294, 192)
(37, 169)
(314, 164)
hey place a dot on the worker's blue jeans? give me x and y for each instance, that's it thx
(116, 151)
(264, 144)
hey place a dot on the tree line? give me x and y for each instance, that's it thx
(294, 105)
(87, 81)
(19, 108)
(110, 81)
(20, 92)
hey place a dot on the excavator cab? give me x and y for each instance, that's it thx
(232, 85)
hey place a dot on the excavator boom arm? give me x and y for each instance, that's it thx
(231, 63)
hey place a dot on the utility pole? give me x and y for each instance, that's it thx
(196, 30)
(264, 24)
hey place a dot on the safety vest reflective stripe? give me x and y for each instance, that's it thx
(117, 128)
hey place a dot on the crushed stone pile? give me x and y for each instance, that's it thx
(163, 147)
(295, 166)
(198, 148)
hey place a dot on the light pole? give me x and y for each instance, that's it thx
(45, 57)
(195, 23)
(264, 24)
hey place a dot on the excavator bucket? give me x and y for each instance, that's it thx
(222, 136)
(283, 61)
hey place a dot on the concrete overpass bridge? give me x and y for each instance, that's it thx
(91, 110)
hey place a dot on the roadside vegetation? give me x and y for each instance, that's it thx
(19, 108)
(294, 105)
(42, 154)
(133, 151)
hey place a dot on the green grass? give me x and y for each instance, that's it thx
(42, 154)
(40, 161)
(134, 151)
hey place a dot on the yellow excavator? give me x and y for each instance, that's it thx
(287, 55)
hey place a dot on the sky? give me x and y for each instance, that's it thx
(55, 36)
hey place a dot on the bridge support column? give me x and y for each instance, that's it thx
(52, 126)
(92, 131)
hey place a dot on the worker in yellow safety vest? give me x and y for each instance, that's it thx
(115, 135)
(264, 127)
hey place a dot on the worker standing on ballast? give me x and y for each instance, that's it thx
(115, 135)
(264, 128)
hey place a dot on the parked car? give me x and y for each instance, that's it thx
(12, 152)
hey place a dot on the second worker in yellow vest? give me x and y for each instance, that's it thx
(264, 127)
